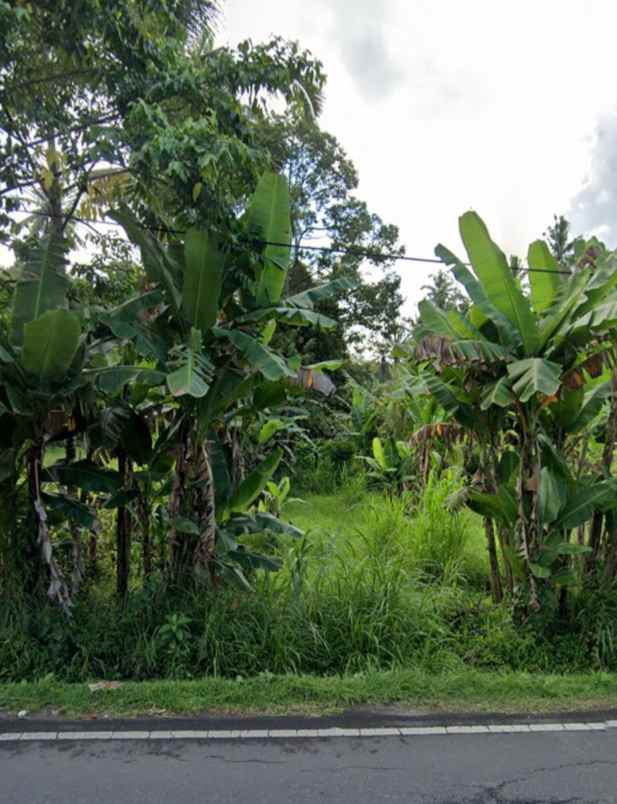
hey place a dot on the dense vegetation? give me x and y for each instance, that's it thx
(200, 473)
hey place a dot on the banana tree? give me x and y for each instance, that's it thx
(531, 362)
(210, 336)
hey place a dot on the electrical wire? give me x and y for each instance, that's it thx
(349, 251)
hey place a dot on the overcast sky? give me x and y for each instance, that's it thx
(504, 107)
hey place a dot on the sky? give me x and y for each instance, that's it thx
(508, 108)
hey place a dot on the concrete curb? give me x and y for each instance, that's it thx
(286, 734)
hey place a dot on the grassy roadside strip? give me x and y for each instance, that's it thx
(469, 691)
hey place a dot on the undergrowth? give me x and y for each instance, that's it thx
(377, 583)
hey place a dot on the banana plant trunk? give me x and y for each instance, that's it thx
(123, 532)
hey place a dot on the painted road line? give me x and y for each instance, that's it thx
(290, 734)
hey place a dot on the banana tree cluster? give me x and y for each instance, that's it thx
(524, 371)
(157, 390)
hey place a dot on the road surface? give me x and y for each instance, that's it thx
(496, 768)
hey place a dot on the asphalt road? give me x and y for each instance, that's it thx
(471, 768)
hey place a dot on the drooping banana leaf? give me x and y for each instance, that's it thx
(85, 475)
(534, 375)
(581, 506)
(495, 275)
(553, 494)
(307, 299)
(497, 393)
(255, 483)
(156, 263)
(42, 284)
(191, 377)
(50, 344)
(204, 267)
(544, 277)
(294, 316)
(258, 356)
(112, 379)
(451, 324)
(267, 220)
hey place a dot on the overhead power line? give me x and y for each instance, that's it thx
(350, 251)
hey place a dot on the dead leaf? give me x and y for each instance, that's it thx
(104, 685)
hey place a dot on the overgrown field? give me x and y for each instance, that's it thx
(374, 585)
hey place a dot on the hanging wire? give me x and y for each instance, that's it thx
(350, 251)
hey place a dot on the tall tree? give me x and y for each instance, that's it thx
(325, 212)
(444, 293)
(98, 95)
(560, 241)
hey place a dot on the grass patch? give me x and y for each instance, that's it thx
(468, 690)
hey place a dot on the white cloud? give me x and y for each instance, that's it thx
(594, 208)
(446, 105)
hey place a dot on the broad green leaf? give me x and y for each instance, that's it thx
(131, 309)
(572, 549)
(255, 483)
(442, 393)
(121, 498)
(268, 332)
(307, 299)
(593, 401)
(582, 505)
(294, 316)
(156, 263)
(262, 522)
(326, 365)
(190, 378)
(552, 495)
(112, 379)
(70, 509)
(121, 426)
(539, 571)
(544, 277)
(258, 356)
(599, 319)
(268, 220)
(566, 409)
(204, 266)
(271, 427)
(450, 324)
(501, 506)
(491, 267)
(498, 393)
(42, 284)
(508, 332)
(184, 525)
(379, 454)
(229, 386)
(85, 475)
(534, 375)
(557, 323)
(7, 463)
(50, 344)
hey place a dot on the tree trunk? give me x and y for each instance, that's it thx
(496, 587)
(57, 590)
(507, 564)
(123, 533)
(206, 510)
(146, 544)
(599, 520)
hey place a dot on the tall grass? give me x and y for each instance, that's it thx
(375, 584)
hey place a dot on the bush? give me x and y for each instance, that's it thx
(391, 586)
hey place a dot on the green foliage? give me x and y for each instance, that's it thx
(532, 370)
(380, 589)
